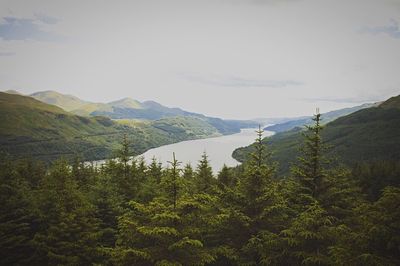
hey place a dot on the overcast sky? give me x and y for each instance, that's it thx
(225, 58)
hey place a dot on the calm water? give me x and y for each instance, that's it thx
(218, 149)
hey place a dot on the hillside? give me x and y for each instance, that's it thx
(30, 128)
(366, 135)
(326, 118)
(128, 108)
(66, 102)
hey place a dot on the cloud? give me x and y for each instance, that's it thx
(240, 82)
(20, 29)
(7, 53)
(392, 29)
(46, 19)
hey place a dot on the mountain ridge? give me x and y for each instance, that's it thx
(366, 135)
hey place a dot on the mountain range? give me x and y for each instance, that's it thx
(369, 134)
(33, 128)
(307, 120)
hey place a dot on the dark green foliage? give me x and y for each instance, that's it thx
(368, 135)
(128, 213)
(203, 178)
(374, 176)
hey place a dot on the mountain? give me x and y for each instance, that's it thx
(128, 108)
(31, 128)
(66, 102)
(126, 103)
(326, 118)
(13, 92)
(368, 134)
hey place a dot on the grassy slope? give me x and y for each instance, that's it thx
(31, 128)
(368, 134)
(66, 102)
(128, 108)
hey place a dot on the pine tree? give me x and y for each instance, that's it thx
(204, 179)
(69, 227)
(124, 155)
(257, 175)
(167, 230)
(226, 178)
(154, 171)
(17, 215)
(173, 182)
(309, 170)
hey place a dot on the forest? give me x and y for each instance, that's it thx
(127, 212)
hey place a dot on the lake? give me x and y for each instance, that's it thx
(218, 149)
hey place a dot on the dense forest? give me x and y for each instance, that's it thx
(129, 213)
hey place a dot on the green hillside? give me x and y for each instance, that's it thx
(66, 102)
(327, 117)
(366, 135)
(126, 103)
(128, 108)
(30, 128)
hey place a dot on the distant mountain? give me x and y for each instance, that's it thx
(31, 128)
(128, 108)
(366, 135)
(326, 118)
(13, 92)
(66, 102)
(126, 103)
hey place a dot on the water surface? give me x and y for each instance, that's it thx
(218, 149)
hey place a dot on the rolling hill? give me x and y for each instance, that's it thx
(326, 118)
(66, 102)
(366, 135)
(128, 108)
(31, 128)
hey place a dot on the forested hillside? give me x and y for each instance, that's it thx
(130, 213)
(326, 118)
(128, 108)
(371, 134)
(30, 128)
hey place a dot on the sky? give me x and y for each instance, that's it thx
(227, 58)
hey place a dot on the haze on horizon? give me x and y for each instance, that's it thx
(225, 58)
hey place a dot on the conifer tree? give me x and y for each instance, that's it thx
(124, 155)
(173, 182)
(17, 216)
(257, 175)
(154, 171)
(225, 177)
(69, 227)
(309, 170)
(167, 230)
(204, 179)
(188, 173)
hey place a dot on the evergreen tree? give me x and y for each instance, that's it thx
(204, 179)
(257, 176)
(188, 173)
(17, 216)
(173, 182)
(166, 231)
(124, 155)
(68, 232)
(309, 169)
(154, 171)
(226, 177)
